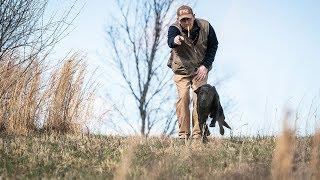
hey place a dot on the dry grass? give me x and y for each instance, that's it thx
(106, 157)
(126, 158)
(28, 101)
(19, 95)
(282, 163)
(315, 158)
(68, 104)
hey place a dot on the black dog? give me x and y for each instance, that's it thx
(208, 103)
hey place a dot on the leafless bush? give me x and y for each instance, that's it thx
(68, 104)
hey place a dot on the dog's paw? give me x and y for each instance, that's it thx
(206, 131)
(212, 123)
(221, 130)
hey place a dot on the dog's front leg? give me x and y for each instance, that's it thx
(213, 122)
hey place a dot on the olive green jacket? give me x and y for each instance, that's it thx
(186, 58)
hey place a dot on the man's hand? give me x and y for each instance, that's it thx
(201, 73)
(178, 39)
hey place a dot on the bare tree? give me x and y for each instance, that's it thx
(27, 36)
(138, 39)
(27, 30)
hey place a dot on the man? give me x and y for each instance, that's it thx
(194, 45)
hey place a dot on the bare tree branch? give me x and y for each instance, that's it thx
(136, 40)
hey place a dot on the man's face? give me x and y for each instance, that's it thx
(185, 22)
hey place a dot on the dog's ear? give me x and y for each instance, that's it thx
(197, 90)
(214, 108)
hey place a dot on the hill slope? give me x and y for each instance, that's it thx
(66, 156)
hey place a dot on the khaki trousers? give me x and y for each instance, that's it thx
(183, 84)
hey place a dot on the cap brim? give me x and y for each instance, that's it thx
(185, 16)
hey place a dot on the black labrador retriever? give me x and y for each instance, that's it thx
(208, 104)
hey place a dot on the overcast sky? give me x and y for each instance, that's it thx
(269, 49)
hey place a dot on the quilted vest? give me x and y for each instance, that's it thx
(186, 58)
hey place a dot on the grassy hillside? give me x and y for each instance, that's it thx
(100, 157)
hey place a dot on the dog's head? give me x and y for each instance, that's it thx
(205, 96)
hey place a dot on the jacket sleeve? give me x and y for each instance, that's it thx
(172, 33)
(212, 47)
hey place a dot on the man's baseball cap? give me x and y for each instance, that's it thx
(184, 12)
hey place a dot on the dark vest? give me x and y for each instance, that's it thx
(186, 58)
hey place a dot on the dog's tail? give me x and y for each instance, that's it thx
(226, 124)
(222, 123)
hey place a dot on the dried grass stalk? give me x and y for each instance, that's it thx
(282, 162)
